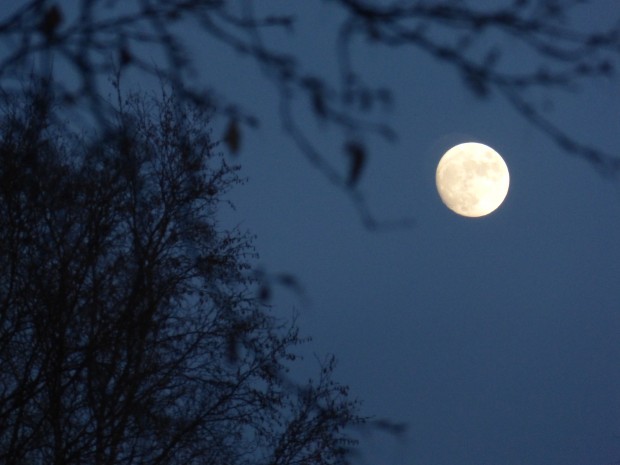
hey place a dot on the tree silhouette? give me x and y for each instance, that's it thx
(472, 38)
(131, 331)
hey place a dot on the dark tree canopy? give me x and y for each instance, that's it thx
(130, 327)
(88, 39)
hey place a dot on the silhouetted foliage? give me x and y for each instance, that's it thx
(94, 37)
(130, 327)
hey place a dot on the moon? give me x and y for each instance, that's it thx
(472, 179)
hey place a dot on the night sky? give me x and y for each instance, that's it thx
(495, 339)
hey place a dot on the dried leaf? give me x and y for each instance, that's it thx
(318, 103)
(52, 18)
(124, 56)
(357, 161)
(232, 137)
(264, 293)
(291, 282)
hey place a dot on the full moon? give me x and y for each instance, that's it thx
(472, 179)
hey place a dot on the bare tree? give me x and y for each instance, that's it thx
(92, 37)
(131, 331)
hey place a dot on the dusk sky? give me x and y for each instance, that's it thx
(496, 340)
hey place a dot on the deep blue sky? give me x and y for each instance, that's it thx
(496, 339)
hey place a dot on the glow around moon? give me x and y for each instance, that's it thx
(472, 179)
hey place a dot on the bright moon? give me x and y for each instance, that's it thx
(472, 179)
